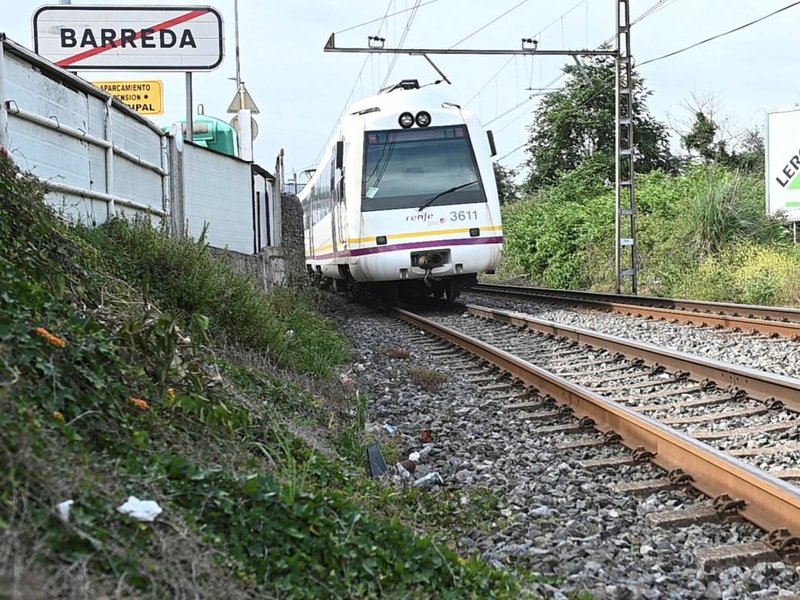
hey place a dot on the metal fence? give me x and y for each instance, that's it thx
(99, 158)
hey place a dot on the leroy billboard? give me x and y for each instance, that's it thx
(783, 163)
(113, 38)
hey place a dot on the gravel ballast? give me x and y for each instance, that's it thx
(757, 351)
(559, 519)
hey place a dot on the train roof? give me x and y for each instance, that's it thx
(398, 97)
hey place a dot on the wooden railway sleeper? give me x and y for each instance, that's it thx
(727, 506)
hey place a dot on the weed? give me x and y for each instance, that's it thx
(399, 353)
(427, 379)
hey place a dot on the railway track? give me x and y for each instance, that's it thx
(772, 321)
(727, 431)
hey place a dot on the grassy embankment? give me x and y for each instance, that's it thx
(702, 235)
(131, 364)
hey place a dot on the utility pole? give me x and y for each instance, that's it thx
(625, 252)
(242, 104)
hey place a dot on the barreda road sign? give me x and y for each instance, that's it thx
(113, 38)
(145, 97)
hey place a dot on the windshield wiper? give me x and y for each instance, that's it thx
(431, 200)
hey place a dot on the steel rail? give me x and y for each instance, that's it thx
(758, 384)
(769, 502)
(778, 320)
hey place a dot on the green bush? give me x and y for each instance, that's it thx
(564, 235)
(183, 275)
(747, 273)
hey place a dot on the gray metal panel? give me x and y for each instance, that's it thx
(136, 138)
(48, 154)
(63, 157)
(137, 183)
(34, 92)
(218, 191)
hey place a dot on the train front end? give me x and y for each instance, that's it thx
(429, 216)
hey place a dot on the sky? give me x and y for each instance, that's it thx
(301, 90)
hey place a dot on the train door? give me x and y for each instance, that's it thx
(332, 204)
(341, 212)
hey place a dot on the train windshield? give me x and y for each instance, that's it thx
(406, 168)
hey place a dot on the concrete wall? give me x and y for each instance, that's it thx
(96, 156)
(268, 268)
(99, 158)
(219, 194)
(293, 240)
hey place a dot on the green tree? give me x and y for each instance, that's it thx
(577, 122)
(507, 190)
(749, 154)
(700, 138)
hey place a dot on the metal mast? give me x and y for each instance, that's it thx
(625, 254)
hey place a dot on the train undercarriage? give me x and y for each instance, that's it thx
(393, 292)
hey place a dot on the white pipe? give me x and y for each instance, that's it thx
(95, 195)
(140, 161)
(166, 199)
(53, 123)
(109, 159)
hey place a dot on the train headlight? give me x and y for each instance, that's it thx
(406, 120)
(423, 118)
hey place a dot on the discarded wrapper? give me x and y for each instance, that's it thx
(424, 451)
(141, 510)
(63, 510)
(403, 472)
(429, 480)
(390, 429)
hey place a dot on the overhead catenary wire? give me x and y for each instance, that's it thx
(719, 35)
(659, 5)
(384, 17)
(492, 22)
(356, 82)
(508, 62)
(402, 41)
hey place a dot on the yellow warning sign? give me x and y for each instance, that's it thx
(145, 97)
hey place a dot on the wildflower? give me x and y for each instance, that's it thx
(58, 416)
(139, 403)
(51, 339)
(171, 394)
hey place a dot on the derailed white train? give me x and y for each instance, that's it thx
(406, 200)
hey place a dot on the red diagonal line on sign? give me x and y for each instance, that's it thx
(165, 25)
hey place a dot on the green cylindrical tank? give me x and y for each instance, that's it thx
(212, 133)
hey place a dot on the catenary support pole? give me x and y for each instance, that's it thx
(625, 253)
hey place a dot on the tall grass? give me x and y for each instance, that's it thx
(184, 276)
(690, 229)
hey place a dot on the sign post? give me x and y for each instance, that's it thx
(244, 107)
(140, 38)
